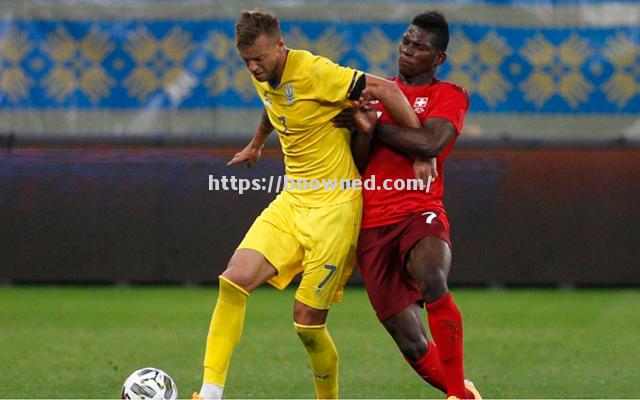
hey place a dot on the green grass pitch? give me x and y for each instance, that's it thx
(83, 342)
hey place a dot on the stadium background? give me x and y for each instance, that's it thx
(113, 115)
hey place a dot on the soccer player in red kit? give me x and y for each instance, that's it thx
(404, 250)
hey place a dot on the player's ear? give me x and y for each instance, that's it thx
(440, 59)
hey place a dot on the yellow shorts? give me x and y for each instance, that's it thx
(320, 242)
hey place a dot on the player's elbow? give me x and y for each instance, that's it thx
(427, 149)
(434, 140)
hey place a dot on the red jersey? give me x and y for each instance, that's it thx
(384, 207)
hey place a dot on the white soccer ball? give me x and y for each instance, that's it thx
(149, 383)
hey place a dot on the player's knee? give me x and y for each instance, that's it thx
(238, 276)
(429, 265)
(306, 315)
(433, 284)
(248, 269)
(231, 293)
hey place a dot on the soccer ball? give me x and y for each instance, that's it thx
(149, 383)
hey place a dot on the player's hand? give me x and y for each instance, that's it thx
(365, 118)
(345, 120)
(249, 155)
(426, 169)
(364, 114)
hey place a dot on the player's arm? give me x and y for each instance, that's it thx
(251, 153)
(364, 117)
(360, 149)
(427, 141)
(360, 121)
(351, 118)
(390, 95)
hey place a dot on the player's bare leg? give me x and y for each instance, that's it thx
(306, 315)
(429, 263)
(249, 269)
(407, 330)
(246, 270)
(311, 326)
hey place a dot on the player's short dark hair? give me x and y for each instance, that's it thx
(253, 23)
(435, 23)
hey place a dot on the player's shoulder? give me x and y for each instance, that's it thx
(308, 64)
(304, 58)
(443, 85)
(450, 88)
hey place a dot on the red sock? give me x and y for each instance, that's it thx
(445, 323)
(430, 368)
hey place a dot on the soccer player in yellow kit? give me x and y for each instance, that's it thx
(302, 230)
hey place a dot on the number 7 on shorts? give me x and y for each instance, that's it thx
(332, 270)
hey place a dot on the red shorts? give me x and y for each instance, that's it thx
(382, 252)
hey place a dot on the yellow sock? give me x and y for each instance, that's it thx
(323, 356)
(224, 331)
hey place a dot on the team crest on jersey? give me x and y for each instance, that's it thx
(288, 93)
(420, 104)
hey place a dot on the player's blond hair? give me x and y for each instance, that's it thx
(253, 23)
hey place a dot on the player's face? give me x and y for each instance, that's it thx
(263, 57)
(417, 54)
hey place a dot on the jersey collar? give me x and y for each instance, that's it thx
(275, 84)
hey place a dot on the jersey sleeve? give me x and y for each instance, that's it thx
(333, 83)
(452, 103)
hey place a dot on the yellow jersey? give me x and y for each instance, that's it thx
(311, 92)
